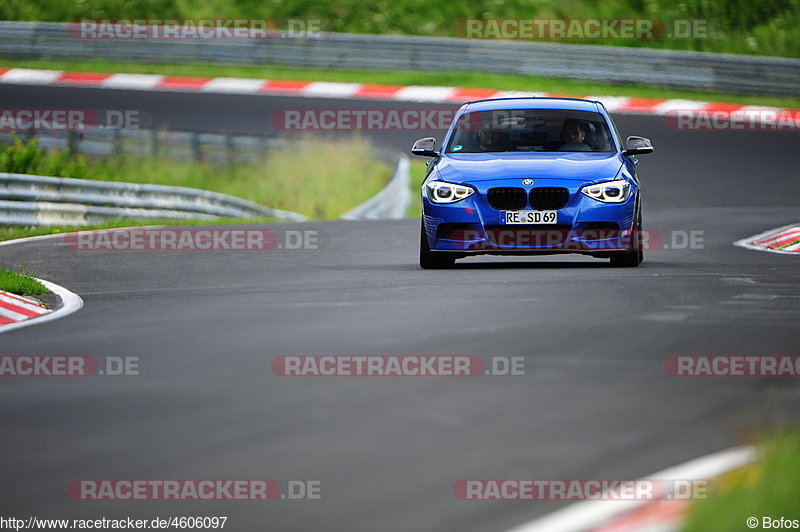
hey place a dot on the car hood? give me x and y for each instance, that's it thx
(472, 167)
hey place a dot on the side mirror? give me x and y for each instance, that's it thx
(638, 146)
(425, 147)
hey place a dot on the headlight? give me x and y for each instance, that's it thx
(443, 192)
(608, 192)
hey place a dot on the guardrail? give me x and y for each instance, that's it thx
(679, 69)
(38, 200)
(393, 201)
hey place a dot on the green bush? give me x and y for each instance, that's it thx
(21, 157)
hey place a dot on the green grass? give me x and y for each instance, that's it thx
(767, 27)
(770, 488)
(17, 283)
(479, 80)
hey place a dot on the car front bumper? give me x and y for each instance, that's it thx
(584, 225)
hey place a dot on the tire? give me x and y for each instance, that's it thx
(635, 256)
(432, 260)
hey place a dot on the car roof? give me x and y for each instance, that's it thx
(498, 104)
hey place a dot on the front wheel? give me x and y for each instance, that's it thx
(633, 257)
(432, 260)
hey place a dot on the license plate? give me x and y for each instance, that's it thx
(528, 217)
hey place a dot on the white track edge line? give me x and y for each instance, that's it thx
(587, 515)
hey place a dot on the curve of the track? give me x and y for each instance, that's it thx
(597, 403)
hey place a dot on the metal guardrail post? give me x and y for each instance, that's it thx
(73, 139)
(154, 144)
(116, 143)
(197, 152)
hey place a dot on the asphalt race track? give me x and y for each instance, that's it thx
(596, 402)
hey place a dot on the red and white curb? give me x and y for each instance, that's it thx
(15, 308)
(784, 239)
(661, 515)
(17, 311)
(326, 89)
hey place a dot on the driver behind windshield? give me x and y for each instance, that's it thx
(573, 133)
(491, 140)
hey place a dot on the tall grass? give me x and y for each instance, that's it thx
(321, 178)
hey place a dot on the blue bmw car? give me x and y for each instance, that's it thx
(531, 176)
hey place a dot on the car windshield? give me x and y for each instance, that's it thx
(545, 130)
